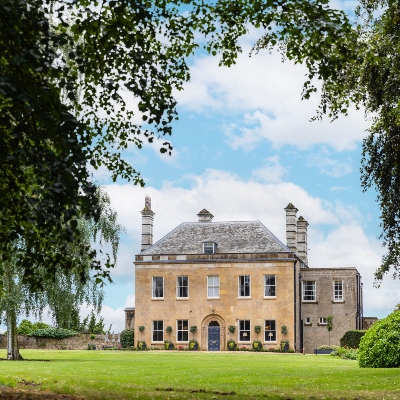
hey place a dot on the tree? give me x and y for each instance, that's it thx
(65, 291)
(65, 66)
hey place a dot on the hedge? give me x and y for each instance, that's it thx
(55, 333)
(351, 339)
(380, 346)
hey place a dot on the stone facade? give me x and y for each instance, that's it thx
(346, 309)
(227, 309)
(216, 274)
(368, 322)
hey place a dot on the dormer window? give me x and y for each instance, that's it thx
(209, 247)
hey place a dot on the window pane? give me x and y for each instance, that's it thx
(182, 330)
(244, 286)
(158, 286)
(270, 331)
(338, 295)
(309, 291)
(244, 331)
(158, 331)
(213, 286)
(269, 285)
(182, 288)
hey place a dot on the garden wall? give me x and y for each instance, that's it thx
(79, 342)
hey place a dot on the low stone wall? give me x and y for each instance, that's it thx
(79, 342)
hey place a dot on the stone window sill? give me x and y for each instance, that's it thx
(270, 298)
(338, 302)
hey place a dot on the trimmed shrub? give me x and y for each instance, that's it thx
(127, 338)
(380, 346)
(55, 333)
(351, 339)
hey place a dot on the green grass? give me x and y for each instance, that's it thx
(131, 375)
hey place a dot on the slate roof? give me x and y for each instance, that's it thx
(231, 237)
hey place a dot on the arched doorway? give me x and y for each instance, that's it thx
(213, 333)
(214, 336)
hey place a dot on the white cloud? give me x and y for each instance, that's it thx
(267, 93)
(271, 171)
(329, 166)
(340, 188)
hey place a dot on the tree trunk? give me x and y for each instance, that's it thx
(12, 338)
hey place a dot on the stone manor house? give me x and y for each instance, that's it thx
(216, 274)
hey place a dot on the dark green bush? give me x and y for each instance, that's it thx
(380, 346)
(127, 338)
(56, 333)
(25, 327)
(351, 339)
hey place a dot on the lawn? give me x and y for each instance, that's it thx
(197, 375)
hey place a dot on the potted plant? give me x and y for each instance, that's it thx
(141, 330)
(257, 345)
(232, 346)
(284, 346)
(168, 345)
(284, 330)
(168, 329)
(257, 330)
(231, 328)
(193, 330)
(141, 345)
(193, 345)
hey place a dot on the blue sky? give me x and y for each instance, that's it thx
(244, 147)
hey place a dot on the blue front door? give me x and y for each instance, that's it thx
(213, 338)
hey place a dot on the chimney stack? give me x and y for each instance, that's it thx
(302, 239)
(147, 224)
(291, 227)
(205, 216)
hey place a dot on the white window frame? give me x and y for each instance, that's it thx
(244, 285)
(244, 331)
(157, 330)
(308, 321)
(179, 286)
(182, 330)
(210, 246)
(303, 291)
(154, 287)
(266, 335)
(322, 321)
(265, 284)
(336, 296)
(213, 286)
